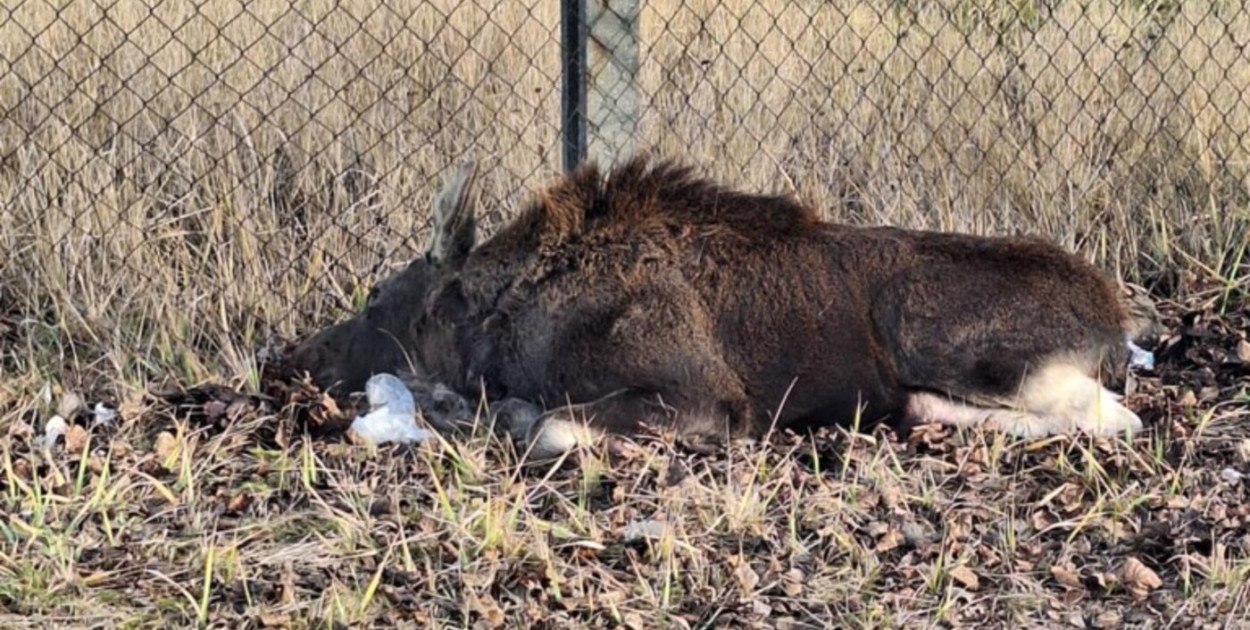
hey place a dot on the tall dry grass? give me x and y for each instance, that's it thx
(180, 182)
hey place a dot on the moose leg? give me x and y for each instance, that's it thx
(1020, 347)
(1068, 398)
(926, 407)
(625, 412)
(653, 361)
(1059, 398)
(567, 427)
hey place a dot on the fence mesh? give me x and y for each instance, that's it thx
(186, 179)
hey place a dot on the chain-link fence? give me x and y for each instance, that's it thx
(184, 179)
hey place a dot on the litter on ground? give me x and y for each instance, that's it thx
(393, 413)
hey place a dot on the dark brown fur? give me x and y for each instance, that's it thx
(718, 311)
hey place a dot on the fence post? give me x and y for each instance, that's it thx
(612, 93)
(600, 60)
(573, 75)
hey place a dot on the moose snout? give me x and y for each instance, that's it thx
(310, 356)
(331, 356)
(339, 359)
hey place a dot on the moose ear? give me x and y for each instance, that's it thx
(454, 223)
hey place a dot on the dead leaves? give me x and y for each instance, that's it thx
(792, 582)
(75, 438)
(747, 578)
(239, 502)
(965, 577)
(165, 447)
(1135, 577)
(1139, 578)
(274, 620)
(1066, 577)
(891, 539)
(490, 614)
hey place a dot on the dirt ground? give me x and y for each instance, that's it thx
(229, 509)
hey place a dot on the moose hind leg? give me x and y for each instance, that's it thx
(1058, 398)
(925, 407)
(1070, 399)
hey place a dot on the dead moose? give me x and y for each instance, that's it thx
(654, 296)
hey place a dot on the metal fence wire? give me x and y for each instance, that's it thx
(240, 169)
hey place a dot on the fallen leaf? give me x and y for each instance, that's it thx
(761, 609)
(1042, 519)
(792, 582)
(75, 438)
(890, 540)
(965, 576)
(1108, 619)
(492, 616)
(1140, 578)
(867, 500)
(892, 496)
(239, 502)
(120, 448)
(1243, 351)
(274, 620)
(1067, 577)
(747, 578)
(165, 446)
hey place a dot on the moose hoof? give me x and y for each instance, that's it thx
(1109, 417)
(553, 435)
(515, 417)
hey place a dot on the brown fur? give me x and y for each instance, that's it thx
(653, 295)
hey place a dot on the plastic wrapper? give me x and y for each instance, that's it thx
(393, 413)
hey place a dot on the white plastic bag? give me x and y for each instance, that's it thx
(1139, 357)
(54, 428)
(393, 413)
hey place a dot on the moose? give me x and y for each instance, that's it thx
(649, 296)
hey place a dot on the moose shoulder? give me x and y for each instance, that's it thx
(651, 295)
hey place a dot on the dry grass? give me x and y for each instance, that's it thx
(182, 183)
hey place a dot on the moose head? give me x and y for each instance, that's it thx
(409, 318)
